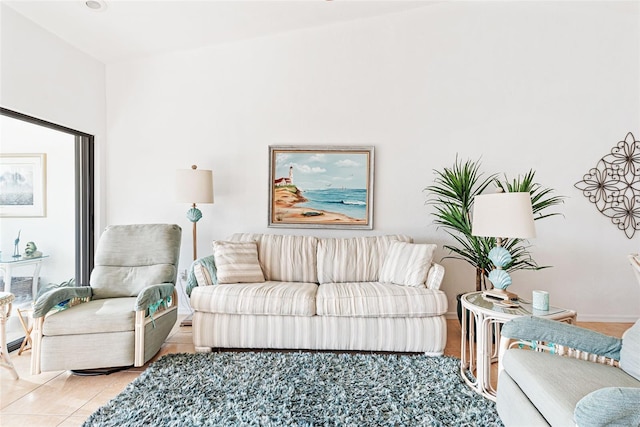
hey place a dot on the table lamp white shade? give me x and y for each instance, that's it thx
(503, 215)
(194, 185)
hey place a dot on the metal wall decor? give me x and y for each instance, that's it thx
(614, 185)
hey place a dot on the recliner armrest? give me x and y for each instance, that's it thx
(610, 406)
(533, 328)
(50, 299)
(152, 294)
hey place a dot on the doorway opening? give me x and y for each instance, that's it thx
(51, 166)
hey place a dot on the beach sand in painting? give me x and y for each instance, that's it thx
(285, 210)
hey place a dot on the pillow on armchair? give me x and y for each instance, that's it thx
(610, 406)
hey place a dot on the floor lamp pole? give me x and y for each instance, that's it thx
(195, 245)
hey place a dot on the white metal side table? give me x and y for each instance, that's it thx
(481, 323)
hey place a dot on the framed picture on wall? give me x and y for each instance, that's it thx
(321, 186)
(23, 179)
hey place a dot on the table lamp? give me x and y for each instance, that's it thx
(194, 186)
(502, 215)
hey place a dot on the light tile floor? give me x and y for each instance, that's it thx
(63, 399)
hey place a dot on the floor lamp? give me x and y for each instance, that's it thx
(194, 186)
(502, 215)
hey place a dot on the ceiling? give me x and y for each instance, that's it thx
(126, 30)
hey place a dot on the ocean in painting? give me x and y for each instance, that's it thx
(347, 201)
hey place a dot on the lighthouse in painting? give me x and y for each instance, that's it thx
(285, 181)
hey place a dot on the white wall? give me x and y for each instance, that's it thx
(44, 77)
(547, 86)
(550, 86)
(54, 233)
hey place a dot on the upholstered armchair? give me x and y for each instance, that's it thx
(596, 383)
(124, 315)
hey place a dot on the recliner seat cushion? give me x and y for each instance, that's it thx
(374, 299)
(268, 298)
(555, 384)
(93, 317)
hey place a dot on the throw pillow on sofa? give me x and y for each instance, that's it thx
(237, 262)
(407, 264)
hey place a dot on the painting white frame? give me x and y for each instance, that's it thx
(362, 168)
(28, 173)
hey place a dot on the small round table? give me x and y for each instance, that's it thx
(6, 300)
(481, 322)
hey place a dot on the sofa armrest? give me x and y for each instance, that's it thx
(50, 299)
(435, 276)
(201, 273)
(610, 406)
(531, 328)
(153, 294)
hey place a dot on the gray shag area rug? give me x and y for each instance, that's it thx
(298, 389)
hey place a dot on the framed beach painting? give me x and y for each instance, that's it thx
(321, 186)
(23, 185)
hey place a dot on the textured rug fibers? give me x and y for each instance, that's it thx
(298, 389)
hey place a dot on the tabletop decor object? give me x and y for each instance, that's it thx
(31, 251)
(502, 215)
(194, 186)
(613, 185)
(16, 243)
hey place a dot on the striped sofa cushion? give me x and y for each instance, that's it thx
(374, 299)
(407, 264)
(285, 258)
(267, 298)
(237, 262)
(356, 259)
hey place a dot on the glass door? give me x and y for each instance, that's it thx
(46, 210)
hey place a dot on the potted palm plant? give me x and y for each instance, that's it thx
(452, 194)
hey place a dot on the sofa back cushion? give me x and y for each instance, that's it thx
(630, 351)
(285, 258)
(355, 259)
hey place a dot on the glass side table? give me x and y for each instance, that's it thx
(481, 322)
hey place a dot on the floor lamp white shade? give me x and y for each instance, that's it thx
(194, 186)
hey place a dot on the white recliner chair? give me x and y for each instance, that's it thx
(125, 313)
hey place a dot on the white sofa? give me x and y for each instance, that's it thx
(319, 294)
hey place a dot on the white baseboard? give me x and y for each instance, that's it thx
(627, 318)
